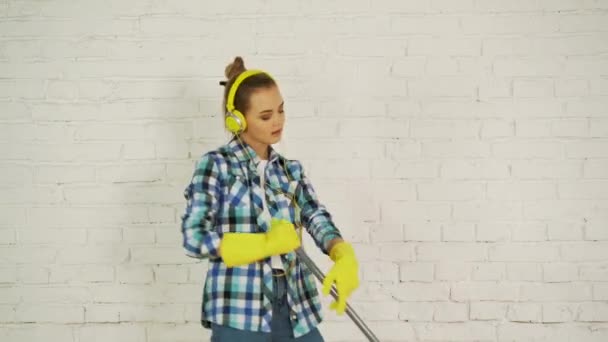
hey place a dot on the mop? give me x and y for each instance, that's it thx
(301, 254)
(349, 310)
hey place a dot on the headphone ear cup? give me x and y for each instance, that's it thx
(235, 122)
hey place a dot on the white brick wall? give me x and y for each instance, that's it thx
(462, 146)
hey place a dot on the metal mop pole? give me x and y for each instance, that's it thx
(349, 310)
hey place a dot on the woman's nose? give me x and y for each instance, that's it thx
(277, 121)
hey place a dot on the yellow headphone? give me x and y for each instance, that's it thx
(235, 120)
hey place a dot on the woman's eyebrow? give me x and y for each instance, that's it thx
(270, 110)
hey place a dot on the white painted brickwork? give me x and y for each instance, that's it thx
(461, 145)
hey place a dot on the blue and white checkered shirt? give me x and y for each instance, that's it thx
(225, 195)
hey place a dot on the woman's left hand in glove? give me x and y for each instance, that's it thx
(344, 273)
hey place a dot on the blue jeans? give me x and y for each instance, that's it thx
(281, 325)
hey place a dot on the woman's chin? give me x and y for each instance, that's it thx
(275, 139)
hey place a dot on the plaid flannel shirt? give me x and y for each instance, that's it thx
(224, 195)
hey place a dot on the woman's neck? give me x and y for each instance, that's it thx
(260, 148)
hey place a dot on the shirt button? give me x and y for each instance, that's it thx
(294, 317)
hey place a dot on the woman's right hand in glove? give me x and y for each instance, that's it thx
(244, 248)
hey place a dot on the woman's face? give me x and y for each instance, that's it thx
(265, 117)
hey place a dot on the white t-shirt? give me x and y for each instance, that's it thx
(275, 259)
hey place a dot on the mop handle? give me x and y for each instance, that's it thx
(349, 310)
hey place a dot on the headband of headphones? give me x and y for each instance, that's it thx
(232, 93)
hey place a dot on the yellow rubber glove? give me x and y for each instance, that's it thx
(245, 248)
(345, 273)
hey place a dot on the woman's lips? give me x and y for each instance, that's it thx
(277, 132)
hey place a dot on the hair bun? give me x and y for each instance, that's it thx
(235, 68)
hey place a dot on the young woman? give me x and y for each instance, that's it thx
(245, 203)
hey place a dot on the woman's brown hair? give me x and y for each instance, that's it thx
(246, 88)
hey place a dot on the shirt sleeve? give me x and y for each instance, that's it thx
(200, 239)
(315, 217)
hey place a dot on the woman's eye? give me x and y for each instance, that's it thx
(266, 118)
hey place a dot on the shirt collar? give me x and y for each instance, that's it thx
(240, 150)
